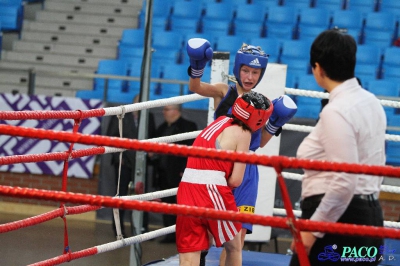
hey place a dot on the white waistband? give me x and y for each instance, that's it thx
(197, 176)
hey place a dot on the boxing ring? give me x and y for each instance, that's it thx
(143, 202)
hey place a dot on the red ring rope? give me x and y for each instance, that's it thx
(182, 150)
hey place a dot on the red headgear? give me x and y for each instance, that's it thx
(253, 109)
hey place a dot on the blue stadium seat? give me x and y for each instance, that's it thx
(307, 82)
(229, 43)
(364, 6)
(382, 39)
(185, 16)
(391, 73)
(197, 105)
(268, 3)
(246, 29)
(291, 82)
(314, 17)
(391, 6)
(161, 11)
(134, 70)
(308, 107)
(184, 25)
(352, 20)
(131, 43)
(89, 94)
(393, 157)
(167, 39)
(281, 22)
(167, 55)
(393, 118)
(309, 33)
(300, 4)
(126, 51)
(11, 17)
(380, 29)
(111, 67)
(271, 46)
(331, 5)
(174, 72)
(312, 22)
(296, 67)
(134, 37)
(368, 54)
(187, 9)
(295, 49)
(391, 56)
(218, 11)
(381, 87)
(249, 19)
(295, 54)
(367, 72)
(216, 27)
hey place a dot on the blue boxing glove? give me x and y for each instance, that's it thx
(284, 110)
(200, 52)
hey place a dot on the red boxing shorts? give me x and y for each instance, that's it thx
(210, 192)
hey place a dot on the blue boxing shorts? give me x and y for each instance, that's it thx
(246, 194)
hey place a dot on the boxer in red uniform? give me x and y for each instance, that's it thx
(209, 182)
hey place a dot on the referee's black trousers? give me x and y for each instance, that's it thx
(360, 211)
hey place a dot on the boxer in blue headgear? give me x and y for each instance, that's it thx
(249, 68)
(250, 56)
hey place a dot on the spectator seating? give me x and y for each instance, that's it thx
(308, 107)
(307, 82)
(391, 56)
(363, 6)
(11, 17)
(381, 87)
(129, 52)
(391, 72)
(177, 73)
(352, 20)
(217, 27)
(295, 53)
(281, 22)
(312, 17)
(367, 72)
(392, 152)
(249, 20)
(369, 54)
(111, 67)
(161, 11)
(132, 37)
(218, 11)
(300, 4)
(186, 15)
(380, 28)
(330, 5)
(390, 6)
(271, 46)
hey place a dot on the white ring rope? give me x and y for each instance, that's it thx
(152, 104)
(135, 239)
(152, 195)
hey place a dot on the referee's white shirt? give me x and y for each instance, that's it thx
(351, 129)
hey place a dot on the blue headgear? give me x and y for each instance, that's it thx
(251, 56)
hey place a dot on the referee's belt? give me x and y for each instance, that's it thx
(370, 197)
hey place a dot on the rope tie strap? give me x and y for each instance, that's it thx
(65, 211)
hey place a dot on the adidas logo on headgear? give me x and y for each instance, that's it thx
(255, 62)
